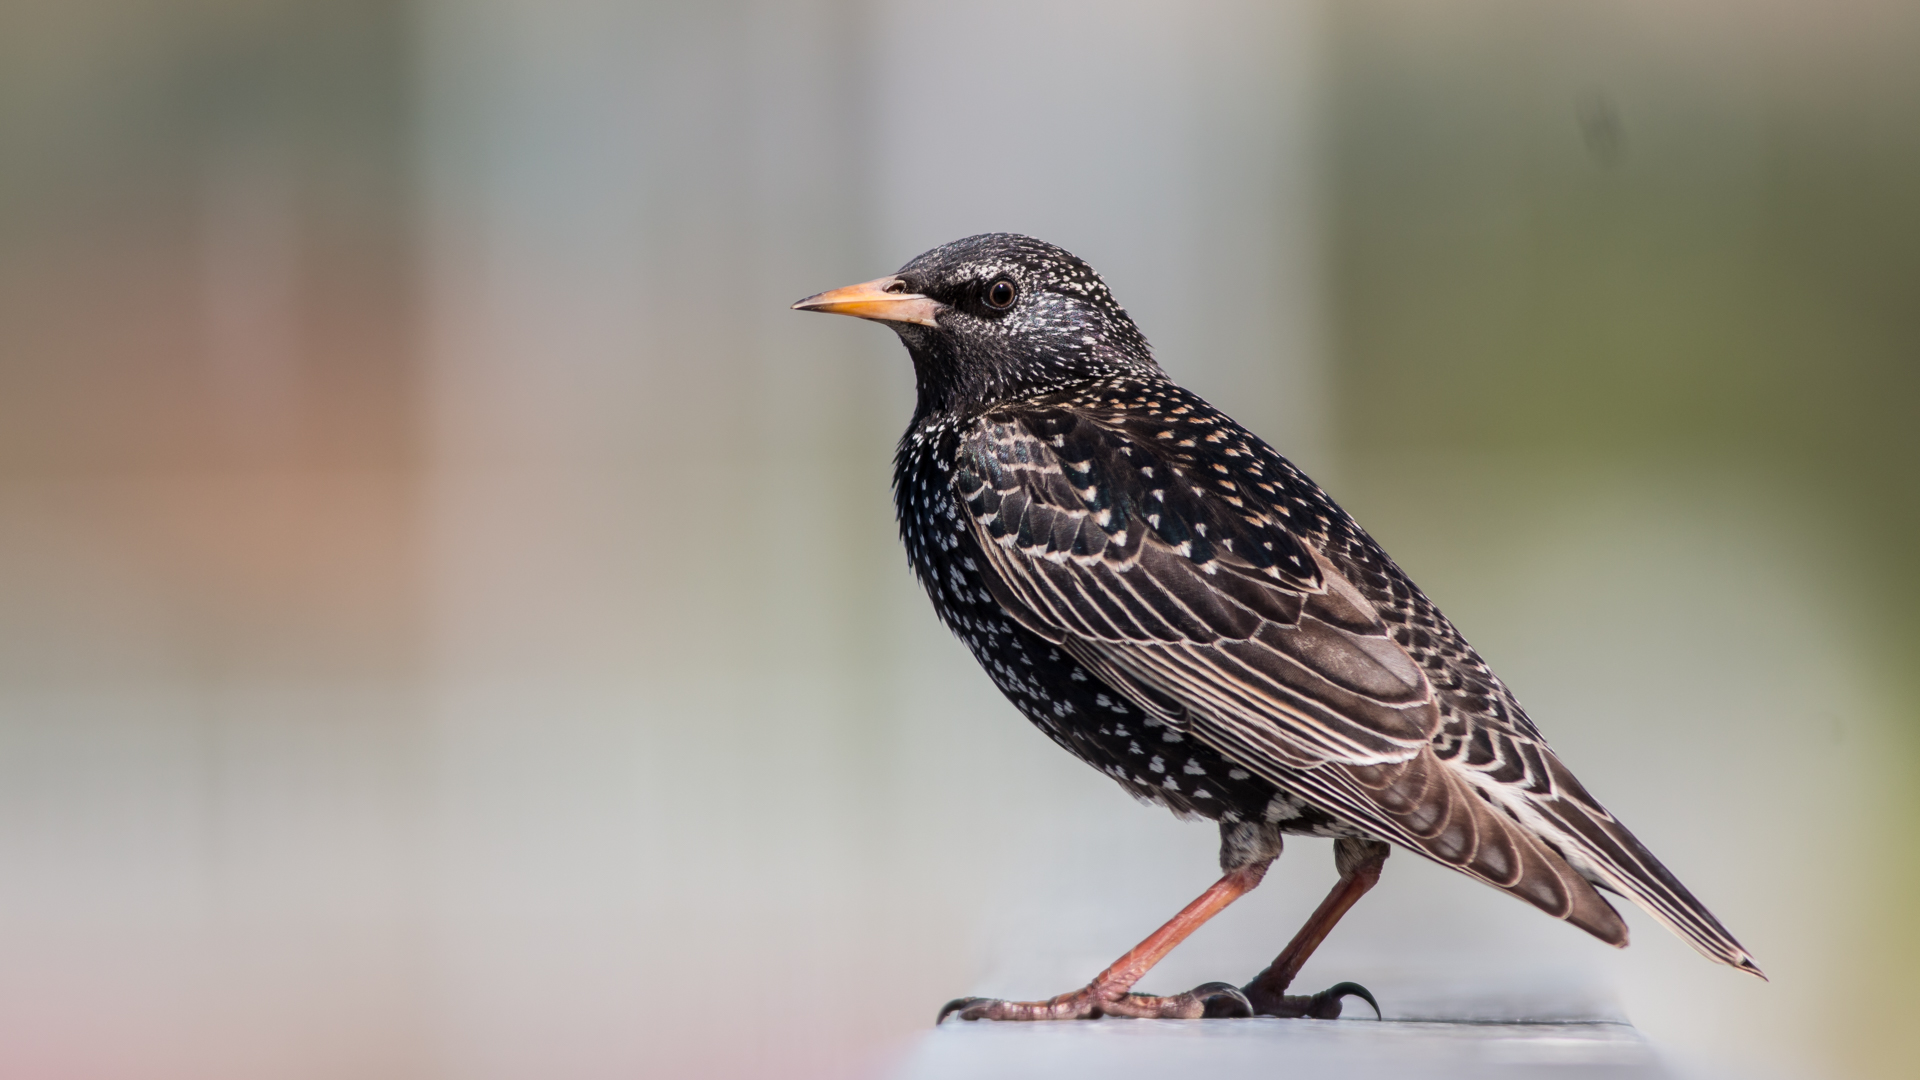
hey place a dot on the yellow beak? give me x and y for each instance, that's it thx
(885, 299)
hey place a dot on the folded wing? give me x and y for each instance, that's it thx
(1189, 592)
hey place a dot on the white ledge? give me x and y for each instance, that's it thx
(1266, 1048)
(1435, 1035)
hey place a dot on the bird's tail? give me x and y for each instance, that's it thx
(1548, 843)
(1594, 842)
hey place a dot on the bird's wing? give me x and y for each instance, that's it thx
(1198, 602)
(1213, 609)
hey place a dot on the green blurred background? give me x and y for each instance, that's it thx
(450, 623)
(1640, 264)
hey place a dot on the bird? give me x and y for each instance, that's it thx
(1169, 599)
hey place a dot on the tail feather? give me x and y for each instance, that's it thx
(1598, 845)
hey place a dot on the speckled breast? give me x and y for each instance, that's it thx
(1070, 704)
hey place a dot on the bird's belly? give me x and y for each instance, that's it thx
(1099, 726)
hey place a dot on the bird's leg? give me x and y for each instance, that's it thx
(1359, 863)
(1108, 994)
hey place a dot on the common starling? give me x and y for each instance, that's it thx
(1172, 601)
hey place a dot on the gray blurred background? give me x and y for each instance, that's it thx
(450, 619)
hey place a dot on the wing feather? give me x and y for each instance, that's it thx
(1176, 603)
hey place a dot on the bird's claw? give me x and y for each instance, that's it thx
(958, 1005)
(1324, 1005)
(1333, 994)
(1223, 1001)
(1206, 1000)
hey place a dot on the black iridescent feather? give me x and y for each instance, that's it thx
(1174, 602)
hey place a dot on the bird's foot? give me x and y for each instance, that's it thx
(1324, 1005)
(1092, 1002)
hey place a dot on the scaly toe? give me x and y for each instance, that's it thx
(1215, 999)
(1079, 1005)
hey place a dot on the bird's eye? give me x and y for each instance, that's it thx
(1000, 295)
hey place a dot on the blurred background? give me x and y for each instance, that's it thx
(450, 619)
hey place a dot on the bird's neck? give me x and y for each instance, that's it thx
(946, 388)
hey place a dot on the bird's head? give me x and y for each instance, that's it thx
(997, 316)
